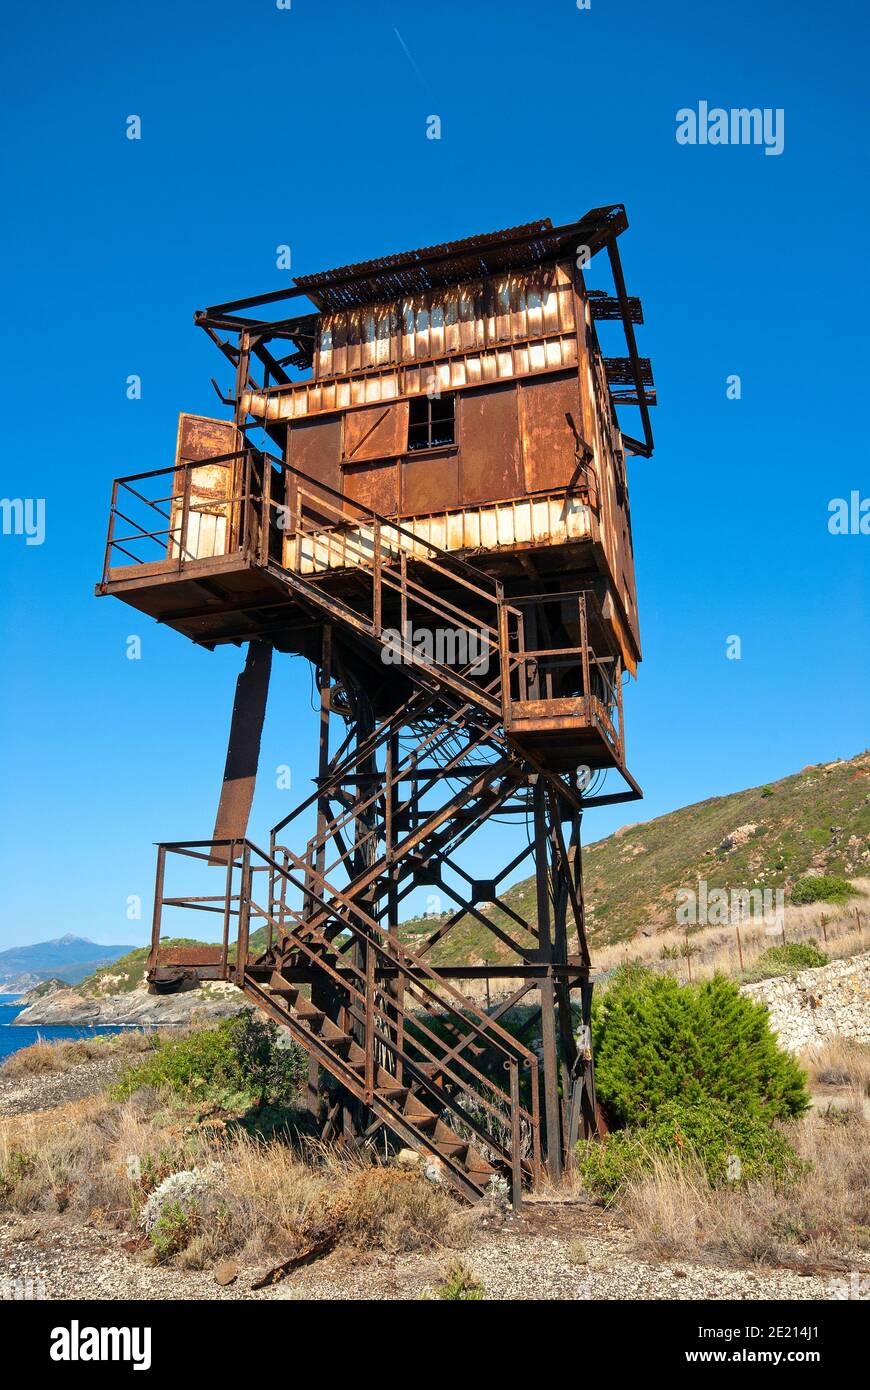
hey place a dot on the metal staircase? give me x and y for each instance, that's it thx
(422, 766)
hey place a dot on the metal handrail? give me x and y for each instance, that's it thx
(475, 1024)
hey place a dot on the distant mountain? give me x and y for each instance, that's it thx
(71, 958)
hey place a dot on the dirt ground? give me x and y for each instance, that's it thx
(563, 1249)
(549, 1251)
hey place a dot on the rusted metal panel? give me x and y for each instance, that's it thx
(490, 444)
(375, 486)
(515, 524)
(430, 482)
(207, 521)
(315, 449)
(549, 445)
(190, 955)
(376, 433)
(497, 362)
(200, 437)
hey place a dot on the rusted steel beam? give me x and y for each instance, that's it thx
(552, 1109)
(243, 749)
(646, 448)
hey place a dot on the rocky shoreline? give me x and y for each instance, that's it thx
(134, 1009)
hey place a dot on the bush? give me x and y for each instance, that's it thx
(460, 1284)
(779, 960)
(732, 1145)
(272, 1071)
(239, 1059)
(656, 1040)
(826, 888)
(173, 1229)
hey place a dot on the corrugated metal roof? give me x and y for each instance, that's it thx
(451, 262)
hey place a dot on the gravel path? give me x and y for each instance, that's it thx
(530, 1257)
(23, 1095)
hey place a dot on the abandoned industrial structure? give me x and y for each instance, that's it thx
(421, 489)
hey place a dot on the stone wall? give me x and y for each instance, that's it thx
(816, 1004)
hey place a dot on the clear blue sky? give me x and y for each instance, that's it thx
(306, 126)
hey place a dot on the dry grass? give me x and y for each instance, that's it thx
(92, 1159)
(840, 1062)
(98, 1160)
(275, 1201)
(715, 949)
(824, 1215)
(42, 1057)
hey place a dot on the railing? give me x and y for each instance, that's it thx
(398, 1030)
(539, 672)
(193, 510)
(425, 607)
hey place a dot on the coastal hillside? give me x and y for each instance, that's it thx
(815, 821)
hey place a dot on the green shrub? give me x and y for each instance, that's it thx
(779, 960)
(826, 888)
(460, 1284)
(274, 1073)
(239, 1059)
(173, 1229)
(656, 1040)
(732, 1144)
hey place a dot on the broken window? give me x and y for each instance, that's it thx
(432, 422)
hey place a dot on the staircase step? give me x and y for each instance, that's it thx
(332, 1032)
(453, 1148)
(393, 1095)
(279, 985)
(480, 1176)
(415, 1107)
(444, 1133)
(309, 1014)
(427, 1124)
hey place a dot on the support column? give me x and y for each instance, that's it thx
(318, 995)
(552, 1108)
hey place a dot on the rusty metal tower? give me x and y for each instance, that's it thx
(422, 490)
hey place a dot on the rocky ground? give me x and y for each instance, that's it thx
(564, 1249)
(561, 1248)
(24, 1095)
(550, 1251)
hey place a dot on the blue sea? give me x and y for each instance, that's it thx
(13, 1039)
